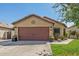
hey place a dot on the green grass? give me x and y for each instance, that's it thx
(71, 49)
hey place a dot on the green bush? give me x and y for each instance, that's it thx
(66, 34)
(72, 32)
(62, 37)
(56, 37)
(51, 39)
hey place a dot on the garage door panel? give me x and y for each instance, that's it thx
(33, 33)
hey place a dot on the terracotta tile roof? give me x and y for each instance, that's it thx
(54, 20)
(2, 25)
(44, 18)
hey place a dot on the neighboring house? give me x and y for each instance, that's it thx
(5, 31)
(72, 31)
(37, 28)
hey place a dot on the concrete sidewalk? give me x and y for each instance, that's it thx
(24, 48)
(61, 42)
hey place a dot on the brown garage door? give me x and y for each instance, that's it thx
(33, 33)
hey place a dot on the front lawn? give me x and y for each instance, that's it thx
(71, 49)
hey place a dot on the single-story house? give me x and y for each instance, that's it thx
(5, 31)
(73, 28)
(37, 28)
(73, 31)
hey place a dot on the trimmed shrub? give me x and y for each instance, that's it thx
(51, 39)
(62, 37)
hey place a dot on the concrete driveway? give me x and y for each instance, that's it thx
(24, 48)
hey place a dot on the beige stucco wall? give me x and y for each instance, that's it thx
(72, 28)
(28, 23)
(56, 25)
(38, 23)
(4, 31)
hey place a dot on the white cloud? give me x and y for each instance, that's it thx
(70, 24)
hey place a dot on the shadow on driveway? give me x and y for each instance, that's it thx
(10, 43)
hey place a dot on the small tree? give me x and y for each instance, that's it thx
(68, 12)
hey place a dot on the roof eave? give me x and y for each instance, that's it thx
(30, 16)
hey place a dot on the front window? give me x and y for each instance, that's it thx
(56, 31)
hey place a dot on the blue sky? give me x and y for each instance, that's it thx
(11, 12)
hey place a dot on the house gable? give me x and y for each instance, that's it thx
(33, 21)
(43, 19)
